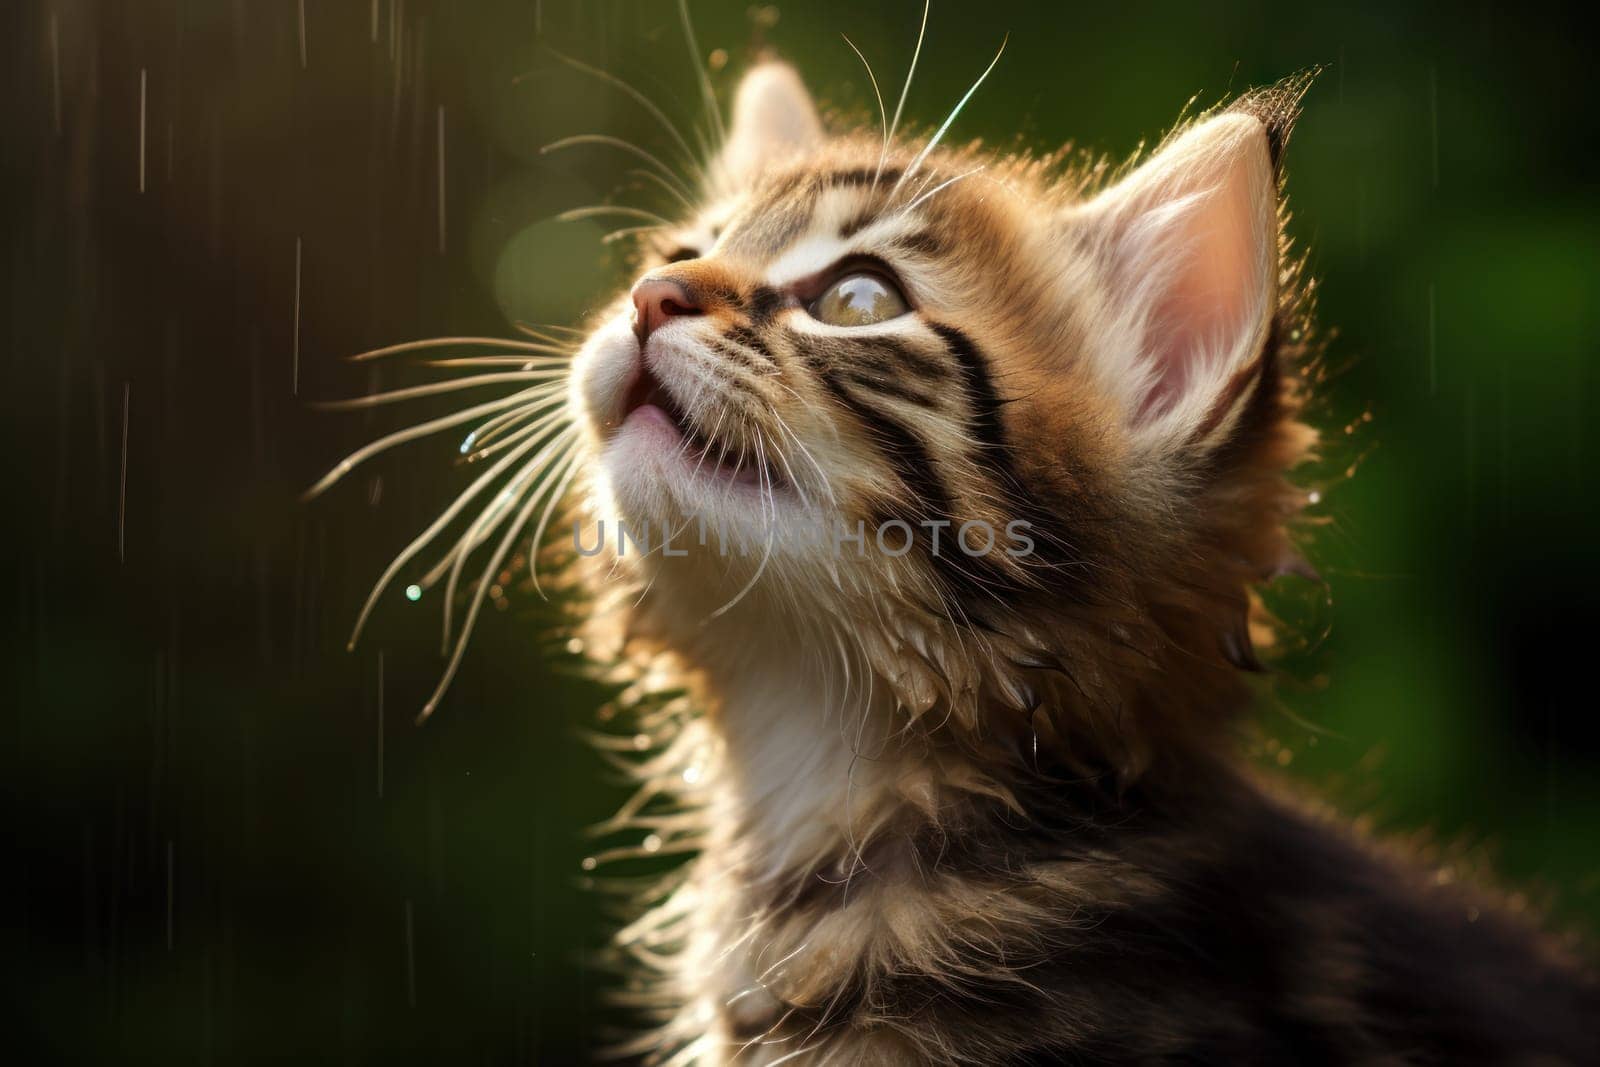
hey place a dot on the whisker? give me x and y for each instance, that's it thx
(383, 444)
(712, 110)
(593, 210)
(962, 103)
(537, 329)
(544, 520)
(827, 485)
(529, 479)
(542, 414)
(492, 428)
(477, 604)
(640, 99)
(709, 438)
(883, 117)
(937, 188)
(766, 554)
(894, 124)
(798, 488)
(426, 537)
(650, 175)
(628, 231)
(617, 143)
(456, 342)
(499, 361)
(395, 396)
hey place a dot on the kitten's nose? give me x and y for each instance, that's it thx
(655, 300)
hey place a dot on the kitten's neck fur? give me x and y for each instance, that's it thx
(806, 753)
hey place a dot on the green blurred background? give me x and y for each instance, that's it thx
(228, 843)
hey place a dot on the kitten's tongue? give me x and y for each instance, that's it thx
(648, 391)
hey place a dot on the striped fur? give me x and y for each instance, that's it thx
(964, 809)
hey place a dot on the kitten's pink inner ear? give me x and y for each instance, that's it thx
(1191, 239)
(773, 119)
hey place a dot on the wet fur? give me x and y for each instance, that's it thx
(995, 811)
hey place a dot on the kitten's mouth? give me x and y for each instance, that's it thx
(649, 398)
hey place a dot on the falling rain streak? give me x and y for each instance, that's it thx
(294, 388)
(441, 179)
(55, 70)
(143, 80)
(303, 818)
(122, 490)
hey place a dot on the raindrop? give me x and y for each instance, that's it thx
(413, 593)
(296, 379)
(122, 496)
(55, 69)
(143, 80)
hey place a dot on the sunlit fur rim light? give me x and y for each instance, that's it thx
(988, 841)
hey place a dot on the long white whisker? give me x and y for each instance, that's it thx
(426, 537)
(766, 554)
(383, 444)
(712, 111)
(883, 116)
(577, 213)
(937, 188)
(544, 520)
(617, 143)
(710, 438)
(477, 605)
(800, 490)
(640, 99)
(458, 342)
(827, 485)
(492, 428)
(395, 396)
(474, 446)
(894, 124)
(542, 330)
(528, 362)
(650, 175)
(939, 134)
(629, 231)
(483, 527)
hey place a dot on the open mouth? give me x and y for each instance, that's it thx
(701, 450)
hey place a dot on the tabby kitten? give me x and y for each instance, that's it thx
(952, 806)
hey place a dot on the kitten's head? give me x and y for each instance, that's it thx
(1065, 393)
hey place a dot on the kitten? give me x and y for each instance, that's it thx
(962, 806)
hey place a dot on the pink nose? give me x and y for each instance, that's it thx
(655, 300)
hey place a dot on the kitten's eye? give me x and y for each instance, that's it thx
(682, 254)
(859, 300)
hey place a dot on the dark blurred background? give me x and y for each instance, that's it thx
(226, 840)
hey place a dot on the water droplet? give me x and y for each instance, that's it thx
(652, 843)
(413, 593)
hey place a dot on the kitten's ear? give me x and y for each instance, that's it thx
(773, 120)
(1188, 247)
